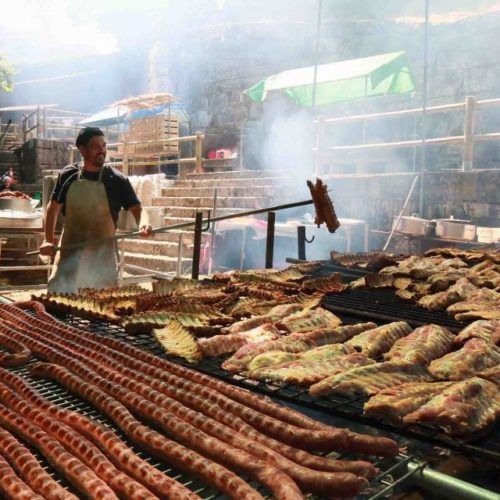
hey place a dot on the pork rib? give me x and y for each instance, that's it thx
(462, 408)
(422, 345)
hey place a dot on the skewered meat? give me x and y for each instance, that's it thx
(379, 280)
(462, 408)
(371, 379)
(307, 320)
(476, 355)
(178, 341)
(311, 372)
(422, 345)
(325, 213)
(20, 356)
(306, 267)
(375, 342)
(248, 306)
(394, 403)
(14, 194)
(231, 342)
(296, 342)
(482, 329)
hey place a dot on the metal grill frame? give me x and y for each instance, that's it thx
(484, 446)
(393, 472)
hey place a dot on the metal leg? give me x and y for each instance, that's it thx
(301, 242)
(179, 257)
(271, 220)
(242, 250)
(195, 272)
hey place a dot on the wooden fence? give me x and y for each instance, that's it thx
(468, 139)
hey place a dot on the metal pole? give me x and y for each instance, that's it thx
(195, 272)
(301, 240)
(423, 161)
(316, 55)
(184, 225)
(401, 213)
(179, 257)
(468, 154)
(271, 220)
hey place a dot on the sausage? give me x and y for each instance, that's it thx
(151, 440)
(328, 438)
(82, 477)
(30, 470)
(12, 487)
(120, 454)
(19, 357)
(78, 446)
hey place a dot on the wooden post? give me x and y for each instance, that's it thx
(301, 241)
(271, 219)
(320, 141)
(44, 122)
(195, 272)
(468, 155)
(198, 153)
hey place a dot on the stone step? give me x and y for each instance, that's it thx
(229, 191)
(190, 212)
(248, 182)
(247, 203)
(156, 262)
(154, 246)
(237, 174)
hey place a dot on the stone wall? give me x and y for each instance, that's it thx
(377, 198)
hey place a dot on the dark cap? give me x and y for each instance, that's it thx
(86, 134)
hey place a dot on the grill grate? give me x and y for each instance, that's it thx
(393, 473)
(485, 446)
(381, 304)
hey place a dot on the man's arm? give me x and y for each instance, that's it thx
(142, 218)
(47, 247)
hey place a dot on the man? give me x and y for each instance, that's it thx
(90, 195)
(7, 180)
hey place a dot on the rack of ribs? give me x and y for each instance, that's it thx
(422, 345)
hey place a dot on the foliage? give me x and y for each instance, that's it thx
(6, 76)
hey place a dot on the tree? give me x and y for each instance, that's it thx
(6, 75)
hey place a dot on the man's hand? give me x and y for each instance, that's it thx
(146, 231)
(47, 249)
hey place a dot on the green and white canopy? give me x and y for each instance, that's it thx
(343, 81)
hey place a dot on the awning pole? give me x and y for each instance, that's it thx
(316, 55)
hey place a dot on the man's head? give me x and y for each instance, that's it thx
(92, 145)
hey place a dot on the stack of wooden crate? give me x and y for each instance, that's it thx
(153, 128)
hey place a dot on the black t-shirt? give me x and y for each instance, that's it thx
(118, 188)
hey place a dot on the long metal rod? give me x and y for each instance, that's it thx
(394, 226)
(423, 162)
(301, 242)
(195, 272)
(184, 225)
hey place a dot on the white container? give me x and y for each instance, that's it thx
(488, 234)
(455, 229)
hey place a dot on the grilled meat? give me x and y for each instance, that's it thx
(373, 343)
(396, 402)
(311, 372)
(371, 379)
(328, 284)
(295, 342)
(307, 320)
(422, 345)
(462, 408)
(482, 329)
(178, 341)
(492, 374)
(231, 342)
(475, 356)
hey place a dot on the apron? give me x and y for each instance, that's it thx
(88, 218)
